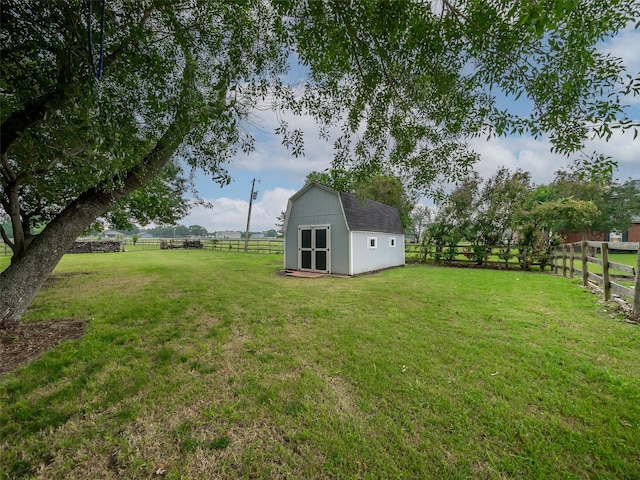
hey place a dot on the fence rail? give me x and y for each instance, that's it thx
(261, 245)
(611, 273)
(501, 256)
(266, 245)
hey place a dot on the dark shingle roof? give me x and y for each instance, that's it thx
(370, 216)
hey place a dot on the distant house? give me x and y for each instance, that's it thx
(228, 234)
(331, 232)
(145, 235)
(257, 235)
(573, 237)
(632, 234)
(112, 234)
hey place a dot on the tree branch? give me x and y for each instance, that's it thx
(5, 238)
(35, 111)
(7, 171)
(115, 54)
(13, 195)
(30, 114)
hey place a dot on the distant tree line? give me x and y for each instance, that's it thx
(178, 231)
(168, 231)
(181, 231)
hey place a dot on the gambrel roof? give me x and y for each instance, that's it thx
(361, 215)
(370, 216)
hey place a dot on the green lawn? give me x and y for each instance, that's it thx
(200, 364)
(624, 278)
(630, 259)
(624, 258)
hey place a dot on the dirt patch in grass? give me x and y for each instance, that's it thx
(344, 395)
(27, 341)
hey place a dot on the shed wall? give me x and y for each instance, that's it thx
(317, 206)
(365, 259)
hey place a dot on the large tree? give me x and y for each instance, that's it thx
(421, 217)
(407, 82)
(177, 77)
(616, 202)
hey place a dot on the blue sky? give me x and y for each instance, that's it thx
(280, 174)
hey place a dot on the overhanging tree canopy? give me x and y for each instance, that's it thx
(407, 81)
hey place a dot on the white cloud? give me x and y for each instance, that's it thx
(535, 156)
(271, 155)
(231, 214)
(623, 149)
(624, 45)
(524, 153)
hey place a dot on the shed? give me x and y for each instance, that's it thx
(331, 232)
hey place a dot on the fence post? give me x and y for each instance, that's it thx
(605, 271)
(585, 265)
(572, 254)
(564, 260)
(635, 315)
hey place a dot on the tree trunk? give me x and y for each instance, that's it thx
(20, 282)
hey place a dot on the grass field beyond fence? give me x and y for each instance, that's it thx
(199, 364)
(616, 275)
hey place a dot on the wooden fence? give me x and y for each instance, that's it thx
(262, 245)
(259, 245)
(612, 274)
(498, 256)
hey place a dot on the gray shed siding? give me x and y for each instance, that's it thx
(353, 222)
(318, 206)
(365, 259)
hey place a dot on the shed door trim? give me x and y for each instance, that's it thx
(314, 248)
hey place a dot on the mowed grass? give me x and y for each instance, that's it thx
(630, 259)
(620, 277)
(200, 364)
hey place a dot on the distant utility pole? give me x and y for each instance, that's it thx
(254, 195)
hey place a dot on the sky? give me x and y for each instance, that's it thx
(279, 174)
